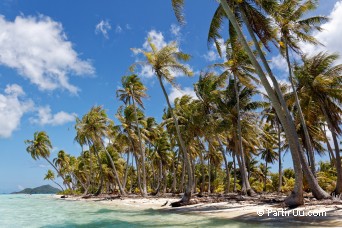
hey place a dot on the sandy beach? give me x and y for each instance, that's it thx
(244, 209)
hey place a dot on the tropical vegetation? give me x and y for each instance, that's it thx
(241, 121)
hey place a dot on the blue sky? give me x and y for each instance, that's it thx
(59, 58)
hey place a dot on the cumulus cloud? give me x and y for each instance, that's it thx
(157, 38)
(45, 117)
(39, 50)
(330, 37)
(175, 93)
(103, 27)
(278, 62)
(212, 55)
(13, 106)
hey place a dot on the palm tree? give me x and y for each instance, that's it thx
(40, 147)
(240, 68)
(163, 62)
(319, 82)
(133, 90)
(276, 97)
(269, 145)
(51, 176)
(94, 126)
(207, 91)
(294, 29)
(126, 116)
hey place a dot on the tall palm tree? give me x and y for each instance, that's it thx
(293, 29)
(133, 90)
(299, 161)
(163, 62)
(319, 81)
(40, 147)
(240, 68)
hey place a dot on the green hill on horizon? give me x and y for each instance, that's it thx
(44, 189)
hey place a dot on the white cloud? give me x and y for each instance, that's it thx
(157, 38)
(128, 27)
(39, 50)
(146, 71)
(330, 37)
(118, 29)
(212, 55)
(12, 108)
(279, 63)
(103, 27)
(45, 117)
(175, 93)
(175, 30)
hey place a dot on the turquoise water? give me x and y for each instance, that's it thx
(46, 211)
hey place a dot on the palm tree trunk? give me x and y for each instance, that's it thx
(142, 151)
(126, 170)
(182, 178)
(332, 156)
(308, 144)
(59, 173)
(202, 173)
(136, 161)
(234, 163)
(58, 185)
(280, 172)
(338, 189)
(187, 193)
(296, 197)
(138, 172)
(249, 190)
(226, 188)
(174, 176)
(265, 180)
(115, 172)
(99, 190)
(209, 176)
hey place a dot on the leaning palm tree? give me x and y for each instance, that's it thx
(51, 176)
(293, 29)
(133, 91)
(319, 81)
(163, 62)
(299, 161)
(40, 147)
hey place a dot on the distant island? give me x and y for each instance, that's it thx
(45, 189)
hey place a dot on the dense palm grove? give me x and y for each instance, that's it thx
(225, 140)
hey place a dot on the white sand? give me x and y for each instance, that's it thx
(246, 211)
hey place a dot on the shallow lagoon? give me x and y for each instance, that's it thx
(46, 211)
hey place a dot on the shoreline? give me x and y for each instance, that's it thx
(240, 209)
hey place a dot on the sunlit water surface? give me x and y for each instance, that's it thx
(46, 211)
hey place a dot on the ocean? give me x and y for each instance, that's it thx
(46, 211)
